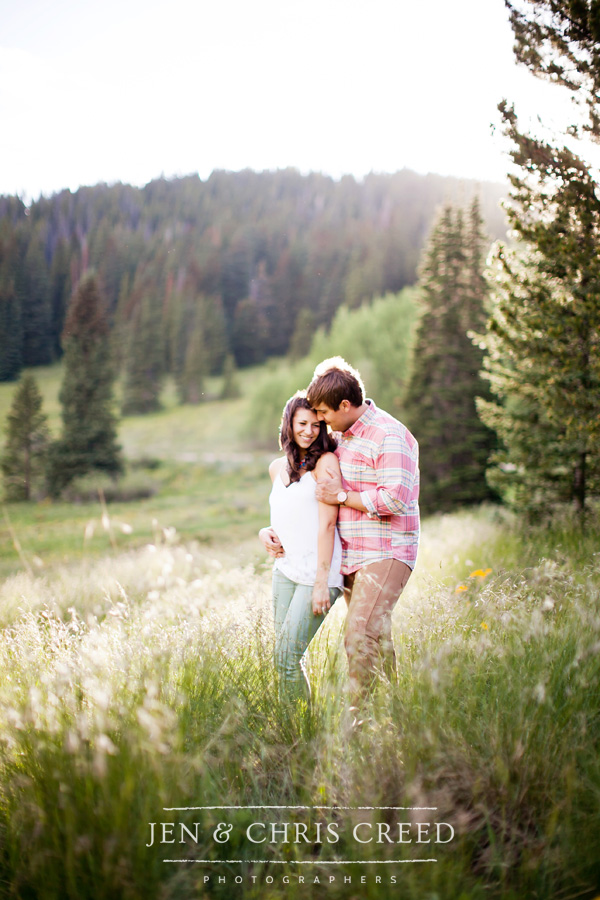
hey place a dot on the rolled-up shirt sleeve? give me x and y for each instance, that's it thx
(396, 468)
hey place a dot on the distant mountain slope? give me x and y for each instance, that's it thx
(240, 254)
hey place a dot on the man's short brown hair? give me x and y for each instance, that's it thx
(335, 380)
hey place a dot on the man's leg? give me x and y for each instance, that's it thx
(371, 594)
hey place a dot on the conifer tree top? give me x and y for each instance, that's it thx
(559, 40)
(86, 314)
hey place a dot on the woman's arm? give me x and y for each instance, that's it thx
(267, 536)
(276, 466)
(325, 540)
(330, 485)
(271, 542)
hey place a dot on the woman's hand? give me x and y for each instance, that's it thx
(271, 542)
(320, 598)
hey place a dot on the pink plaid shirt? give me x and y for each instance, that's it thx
(380, 458)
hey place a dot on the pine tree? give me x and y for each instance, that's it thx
(145, 356)
(190, 385)
(36, 311)
(230, 389)
(24, 457)
(304, 333)
(11, 332)
(440, 404)
(543, 336)
(249, 335)
(15, 234)
(60, 290)
(119, 333)
(559, 41)
(214, 328)
(177, 329)
(89, 435)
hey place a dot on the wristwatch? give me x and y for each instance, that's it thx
(342, 497)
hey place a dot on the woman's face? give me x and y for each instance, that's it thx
(305, 428)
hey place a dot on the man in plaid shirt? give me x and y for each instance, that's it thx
(378, 500)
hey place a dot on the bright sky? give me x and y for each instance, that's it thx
(127, 90)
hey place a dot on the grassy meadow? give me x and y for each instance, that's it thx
(188, 469)
(138, 683)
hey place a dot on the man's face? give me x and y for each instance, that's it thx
(337, 419)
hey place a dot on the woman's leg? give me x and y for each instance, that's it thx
(283, 591)
(295, 627)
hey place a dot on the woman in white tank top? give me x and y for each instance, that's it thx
(303, 539)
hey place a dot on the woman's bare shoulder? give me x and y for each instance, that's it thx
(327, 461)
(276, 466)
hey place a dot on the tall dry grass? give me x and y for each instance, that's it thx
(145, 682)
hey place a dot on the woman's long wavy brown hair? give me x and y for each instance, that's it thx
(323, 443)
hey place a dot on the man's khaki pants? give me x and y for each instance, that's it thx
(371, 594)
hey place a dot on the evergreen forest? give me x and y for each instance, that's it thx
(238, 265)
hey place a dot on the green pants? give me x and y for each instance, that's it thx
(295, 627)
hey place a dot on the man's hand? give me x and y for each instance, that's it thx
(271, 542)
(328, 488)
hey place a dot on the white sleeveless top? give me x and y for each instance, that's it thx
(295, 519)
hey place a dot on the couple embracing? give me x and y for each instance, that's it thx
(344, 517)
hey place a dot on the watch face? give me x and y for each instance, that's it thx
(342, 497)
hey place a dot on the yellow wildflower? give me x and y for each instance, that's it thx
(484, 625)
(480, 573)
(461, 587)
